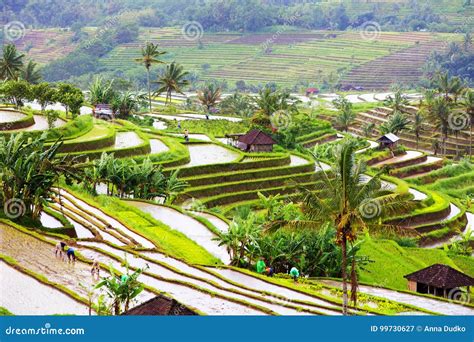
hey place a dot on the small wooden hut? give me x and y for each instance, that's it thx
(388, 140)
(439, 280)
(256, 141)
(160, 306)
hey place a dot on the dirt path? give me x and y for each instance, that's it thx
(441, 307)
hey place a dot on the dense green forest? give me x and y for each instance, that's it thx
(246, 15)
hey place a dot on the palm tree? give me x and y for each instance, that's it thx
(397, 102)
(30, 73)
(417, 126)
(438, 113)
(345, 119)
(11, 63)
(367, 129)
(449, 86)
(209, 96)
(269, 101)
(351, 203)
(172, 80)
(468, 106)
(396, 123)
(150, 54)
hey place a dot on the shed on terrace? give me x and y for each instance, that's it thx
(256, 141)
(439, 280)
(388, 140)
(160, 306)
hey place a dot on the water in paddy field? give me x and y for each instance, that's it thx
(126, 139)
(157, 146)
(49, 221)
(187, 225)
(24, 295)
(10, 116)
(205, 154)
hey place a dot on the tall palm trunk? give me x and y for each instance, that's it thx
(149, 87)
(344, 274)
(470, 140)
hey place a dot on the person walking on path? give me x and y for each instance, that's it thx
(295, 274)
(186, 135)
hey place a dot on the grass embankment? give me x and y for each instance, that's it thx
(390, 262)
(213, 128)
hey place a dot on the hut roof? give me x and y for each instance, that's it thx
(160, 306)
(390, 137)
(441, 276)
(256, 137)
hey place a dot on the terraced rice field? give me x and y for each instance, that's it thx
(46, 45)
(291, 57)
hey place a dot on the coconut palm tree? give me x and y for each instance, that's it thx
(172, 80)
(351, 203)
(30, 73)
(209, 96)
(395, 124)
(345, 119)
(417, 126)
(468, 106)
(368, 129)
(450, 87)
(11, 63)
(397, 102)
(150, 54)
(438, 113)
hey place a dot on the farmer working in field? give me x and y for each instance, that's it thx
(294, 273)
(71, 255)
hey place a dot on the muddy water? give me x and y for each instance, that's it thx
(41, 124)
(296, 160)
(187, 225)
(49, 221)
(38, 256)
(157, 146)
(126, 139)
(204, 154)
(282, 291)
(10, 116)
(24, 295)
(135, 261)
(113, 222)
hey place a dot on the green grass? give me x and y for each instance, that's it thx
(5, 312)
(213, 128)
(391, 262)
